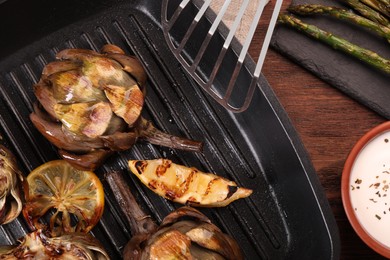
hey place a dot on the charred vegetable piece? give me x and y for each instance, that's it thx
(339, 13)
(10, 180)
(56, 187)
(37, 245)
(139, 221)
(185, 233)
(368, 12)
(90, 105)
(187, 185)
(367, 56)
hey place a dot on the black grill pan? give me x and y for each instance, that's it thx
(287, 216)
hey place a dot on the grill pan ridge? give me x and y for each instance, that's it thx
(287, 216)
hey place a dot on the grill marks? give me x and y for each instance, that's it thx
(183, 187)
(153, 185)
(232, 190)
(140, 166)
(170, 194)
(161, 169)
(187, 185)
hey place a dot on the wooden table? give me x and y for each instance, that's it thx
(329, 124)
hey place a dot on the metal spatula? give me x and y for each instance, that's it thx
(213, 52)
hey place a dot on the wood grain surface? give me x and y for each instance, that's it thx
(329, 124)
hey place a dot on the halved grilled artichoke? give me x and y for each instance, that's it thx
(10, 180)
(37, 245)
(91, 104)
(185, 233)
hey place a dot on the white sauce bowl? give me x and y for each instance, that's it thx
(365, 188)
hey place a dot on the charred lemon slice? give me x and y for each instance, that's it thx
(70, 200)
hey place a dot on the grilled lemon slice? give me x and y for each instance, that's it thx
(74, 198)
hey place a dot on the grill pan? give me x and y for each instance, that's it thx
(287, 216)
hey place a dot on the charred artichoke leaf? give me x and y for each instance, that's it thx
(117, 125)
(169, 244)
(120, 141)
(184, 212)
(130, 63)
(88, 161)
(198, 252)
(98, 68)
(59, 66)
(112, 49)
(186, 185)
(44, 94)
(10, 180)
(37, 245)
(90, 119)
(74, 54)
(73, 87)
(172, 244)
(204, 234)
(66, 140)
(132, 66)
(126, 102)
(210, 237)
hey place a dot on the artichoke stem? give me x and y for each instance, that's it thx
(140, 223)
(155, 136)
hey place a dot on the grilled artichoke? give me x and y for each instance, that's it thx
(37, 245)
(90, 105)
(185, 233)
(10, 179)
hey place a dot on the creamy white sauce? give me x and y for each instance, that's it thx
(369, 188)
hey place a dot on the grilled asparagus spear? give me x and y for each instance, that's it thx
(382, 7)
(385, 3)
(368, 12)
(338, 43)
(339, 13)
